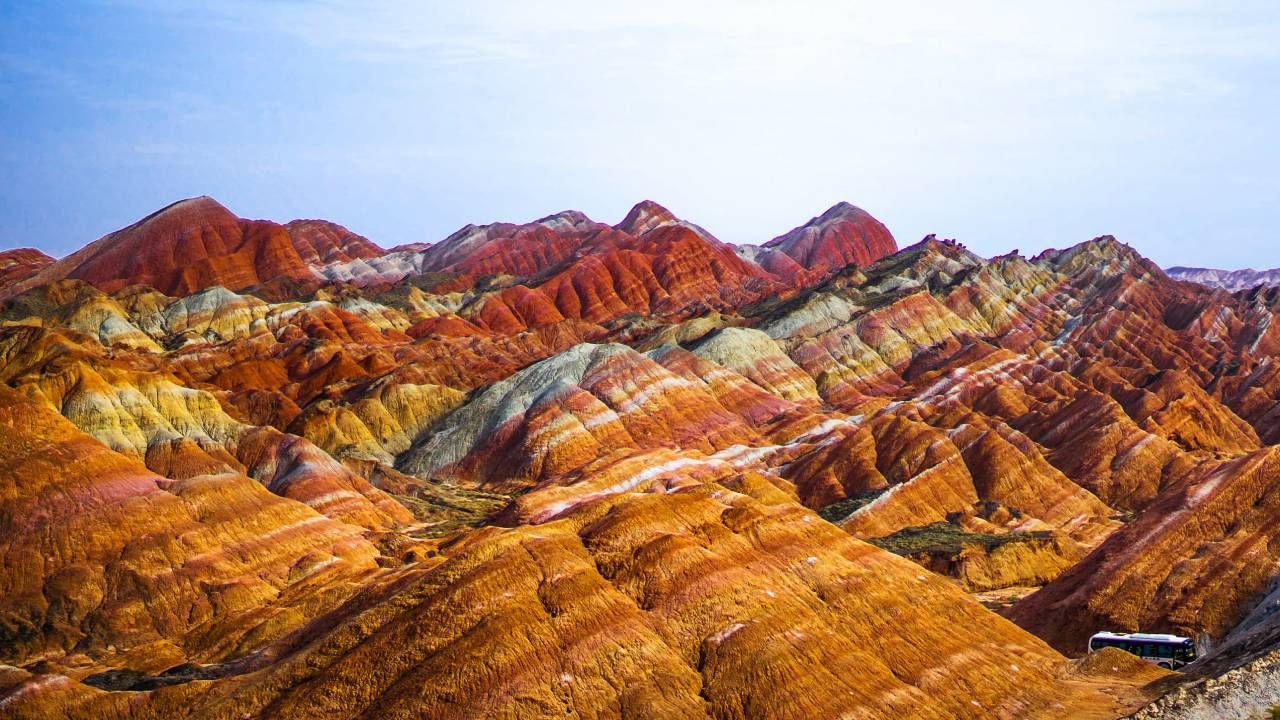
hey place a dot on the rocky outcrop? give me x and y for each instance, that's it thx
(21, 263)
(1250, 691)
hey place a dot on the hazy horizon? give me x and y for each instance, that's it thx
(1004, 129)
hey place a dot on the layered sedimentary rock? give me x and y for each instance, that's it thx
(570, 409)
(651, 264)
(76, 305)
(21, 263)
(622, 609)
(181, 432)
(197, 243)
(1194, 563)
(320, 242)
(519, 250)
(843, 235)
(623, 470)
(127, 566)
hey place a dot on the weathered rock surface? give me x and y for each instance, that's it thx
(843, 235)
(197, 243)
(1250, 691)
(623, 608)
(21, 263)
(106, 558)
(1192, 563)
(565, 467)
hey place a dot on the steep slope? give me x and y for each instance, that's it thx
(679, 447)
(704, 603)
(111, 559)
(518, 250)
(320, 243)
(563, 412)
(843, 235)
(1194, 563)
(650, 264)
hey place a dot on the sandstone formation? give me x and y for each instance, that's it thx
(110, 560)
(843, 235)
(572, 468)
(620, 609)
(197, 243)
(19, 264)
(1194, 563)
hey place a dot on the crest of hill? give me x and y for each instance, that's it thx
(21, 263)
(841, 236)
(197, 243)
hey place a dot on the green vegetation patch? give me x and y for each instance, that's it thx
(446, 508)
(397, 296)
(136, 681)
(841, 509)
(940, 538)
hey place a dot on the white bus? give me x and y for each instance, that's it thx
(1167, 651)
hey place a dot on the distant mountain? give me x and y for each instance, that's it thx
(1231, 280)
(567, 266)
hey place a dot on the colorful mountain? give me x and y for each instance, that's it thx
(567, 468)
(1229, 280)
(197, 243)
(19, 264)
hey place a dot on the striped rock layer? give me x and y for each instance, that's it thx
(565, 468)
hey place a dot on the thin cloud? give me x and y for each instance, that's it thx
(981, 120)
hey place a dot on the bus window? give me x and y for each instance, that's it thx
(1171, 654)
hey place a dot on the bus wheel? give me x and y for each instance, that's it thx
(1165, 665)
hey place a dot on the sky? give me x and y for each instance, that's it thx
(1003, 125)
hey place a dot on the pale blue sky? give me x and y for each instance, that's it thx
(1004, 125)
